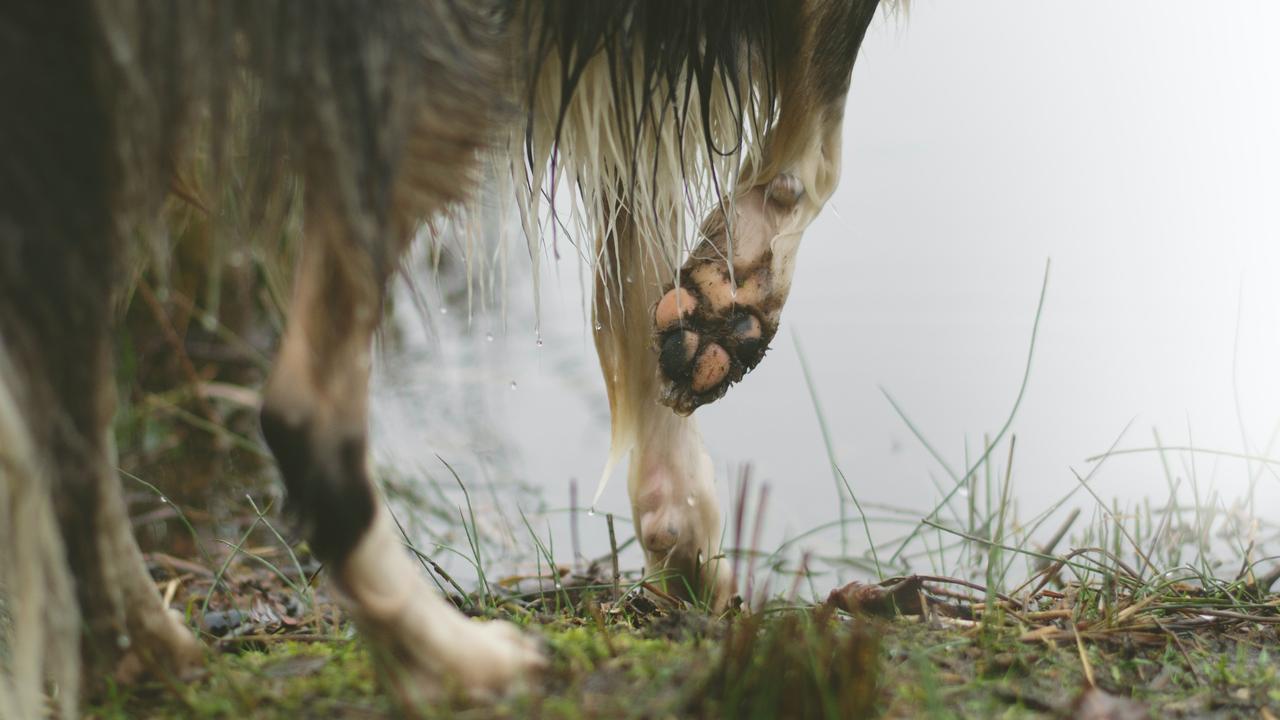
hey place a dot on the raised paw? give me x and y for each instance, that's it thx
(713, 326)
(703, 348)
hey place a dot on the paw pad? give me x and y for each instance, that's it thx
(705, 342)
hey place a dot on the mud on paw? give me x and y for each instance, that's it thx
(713, 326)
(710, 331)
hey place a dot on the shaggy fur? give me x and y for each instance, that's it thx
(655, 115)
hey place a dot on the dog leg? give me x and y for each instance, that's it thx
(60, 264)
(715, 323)
(56, 331)
(671, 479)
(315, 420)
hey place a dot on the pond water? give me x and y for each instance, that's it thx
(1138, 148)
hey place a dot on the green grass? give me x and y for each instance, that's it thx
(1167, 602)
(793, 663)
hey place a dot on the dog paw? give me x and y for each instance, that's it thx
(714, 324)
(496, 657)
(457, 657)
(161, 646)
(709, 335)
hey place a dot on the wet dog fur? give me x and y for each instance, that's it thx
(700, 138)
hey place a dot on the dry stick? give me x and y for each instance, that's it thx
(1045, 550)
(1229, 615)
(755, 541)
(613, 553)
(1048, 547)
(1246, 565)
(801, 573)
(971, 585)
(661, 594)
(739, 517)
(1049, 573)
(1084, 658)
(573, 522)
(1181, 648)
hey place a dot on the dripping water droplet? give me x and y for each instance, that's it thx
(539, 341)
(488, 337)
(591, 511)
(513, 384)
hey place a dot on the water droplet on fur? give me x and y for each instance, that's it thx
(488, 337)
(628, 278)
(599, 327)
(513, 384)
(444, 311)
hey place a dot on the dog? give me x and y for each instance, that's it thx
(718, 120)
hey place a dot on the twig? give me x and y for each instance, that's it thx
(613, 554)
(573, 523)
(1186, 656)
(1084, 658)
